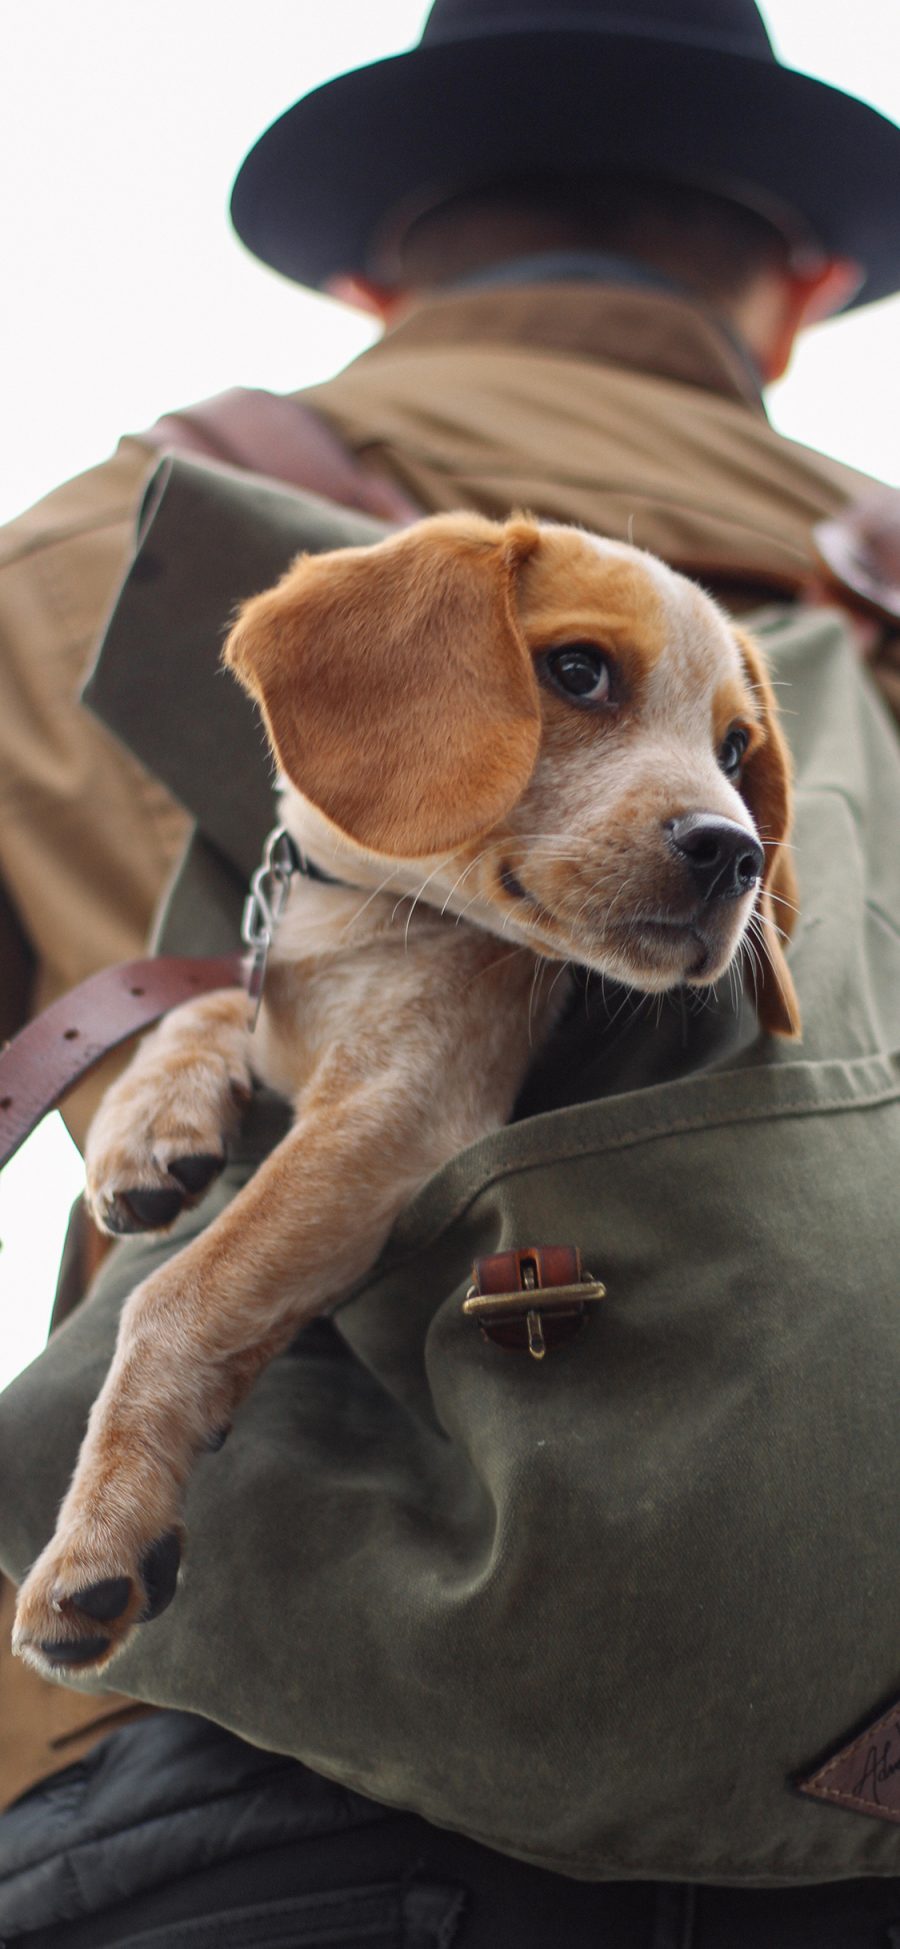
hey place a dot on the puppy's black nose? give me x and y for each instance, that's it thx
(723, 859)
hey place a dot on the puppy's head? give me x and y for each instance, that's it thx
(569, 739)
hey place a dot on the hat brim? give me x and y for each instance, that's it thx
(314, 195)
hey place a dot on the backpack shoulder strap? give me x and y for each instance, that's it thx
(279, 436)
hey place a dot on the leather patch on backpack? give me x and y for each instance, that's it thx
(864, 1776)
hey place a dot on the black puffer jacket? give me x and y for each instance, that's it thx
(132, 1840)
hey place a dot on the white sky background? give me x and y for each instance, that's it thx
(122, 124)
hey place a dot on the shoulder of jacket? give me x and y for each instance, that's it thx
(95, 499)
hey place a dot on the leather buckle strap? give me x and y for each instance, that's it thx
(531, 1299)
(50, 1055)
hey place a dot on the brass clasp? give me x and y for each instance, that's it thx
(506, 1317)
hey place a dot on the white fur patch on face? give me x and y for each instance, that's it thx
(697, 657)
(700, 650)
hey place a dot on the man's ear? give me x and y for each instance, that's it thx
(385, 302)
(766, 785)
(808, 293)
(395, 683)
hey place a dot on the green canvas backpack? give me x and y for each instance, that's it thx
(605, 1611)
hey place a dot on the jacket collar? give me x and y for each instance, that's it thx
(652, 330)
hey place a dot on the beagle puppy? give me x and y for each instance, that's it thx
(515, 748)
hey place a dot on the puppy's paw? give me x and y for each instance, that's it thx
(143, 1206)
(83, 1598)
(160, 1138)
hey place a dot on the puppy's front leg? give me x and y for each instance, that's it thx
(161, 1132)
(192, 1339)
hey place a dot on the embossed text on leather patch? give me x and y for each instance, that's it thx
(864, 1776)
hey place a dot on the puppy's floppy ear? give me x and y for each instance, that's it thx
(395, 682)
(767, 788)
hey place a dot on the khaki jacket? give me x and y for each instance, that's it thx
(87, 838)
(627, 411)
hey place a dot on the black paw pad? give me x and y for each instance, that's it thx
(159, 1575)
(144, 1211)
(103, 1601)
(217, 1440)
(195, 1173)
(81, 1651)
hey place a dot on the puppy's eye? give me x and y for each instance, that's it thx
(731, 752)
(580, 671)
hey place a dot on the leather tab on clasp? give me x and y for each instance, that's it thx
(531, 1299)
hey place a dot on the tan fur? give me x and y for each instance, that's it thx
(431, 765)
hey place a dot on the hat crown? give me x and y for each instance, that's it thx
(733, 24)
(662, 90)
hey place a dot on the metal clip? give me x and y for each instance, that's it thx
(537, 1345)
(264, 906)
(534, 1317)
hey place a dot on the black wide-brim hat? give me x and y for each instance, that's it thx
(682, 90)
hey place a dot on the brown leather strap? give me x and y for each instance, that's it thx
(527, 1268)
(48, 1057)
(272, 434)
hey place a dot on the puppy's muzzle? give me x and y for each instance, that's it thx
(724, 861)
